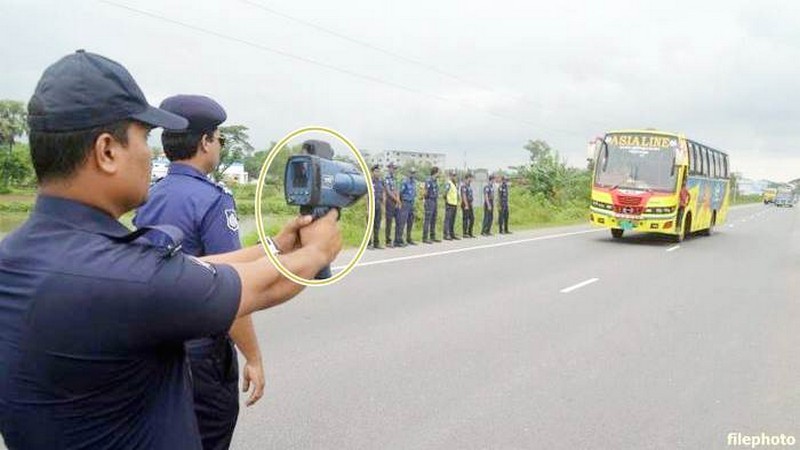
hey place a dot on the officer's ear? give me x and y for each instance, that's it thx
(107, 153)
(207, 141)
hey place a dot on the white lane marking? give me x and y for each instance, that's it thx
(579, 285)
(468, 249)
(673, 248)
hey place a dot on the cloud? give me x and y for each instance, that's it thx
(721, 71)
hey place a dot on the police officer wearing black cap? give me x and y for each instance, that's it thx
(94, 316)
(206, 214)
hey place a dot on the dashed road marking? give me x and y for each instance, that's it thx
(579, 285)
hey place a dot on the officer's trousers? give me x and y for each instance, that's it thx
(429, 224)
(449, 221)
(488, 217)
(404, 219)
(412, 216)
(502, 218)
(376, 228)
(391, 218)
(468, 221)
(215, 374)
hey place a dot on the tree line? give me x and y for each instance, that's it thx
(546, 175)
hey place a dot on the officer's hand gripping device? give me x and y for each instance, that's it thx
(316, 183)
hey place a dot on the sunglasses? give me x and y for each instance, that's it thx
(221, 140)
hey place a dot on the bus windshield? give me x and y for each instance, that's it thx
(638, 162)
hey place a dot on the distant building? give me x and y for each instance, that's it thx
(234, 173)
(400, 158)
(748, 186)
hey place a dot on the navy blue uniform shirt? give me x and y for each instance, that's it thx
(391, 187)
(377, 186)
(92, 330)
(203, 210)
(488, 190)
(408, 191)
(503, 192)
(466, 193)
(431, 189)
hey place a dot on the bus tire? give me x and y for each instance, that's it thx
(685, 230)
(708, 231)
(616, 233)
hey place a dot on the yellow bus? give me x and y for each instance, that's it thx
(658, 182)
(769, 195)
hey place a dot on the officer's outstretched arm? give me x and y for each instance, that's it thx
(287, 241)
(263, 286)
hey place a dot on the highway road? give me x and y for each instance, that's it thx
(554, 339)
(548, 339)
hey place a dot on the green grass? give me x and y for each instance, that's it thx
(745, 199)
(527, 211)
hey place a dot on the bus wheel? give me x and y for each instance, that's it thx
(616, 233)
(686, 229)
(710, 229)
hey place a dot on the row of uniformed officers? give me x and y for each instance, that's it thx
(396, 200)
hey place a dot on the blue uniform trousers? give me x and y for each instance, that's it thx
(215, 373)
(429, 225)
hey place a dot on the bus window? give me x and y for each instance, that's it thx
(701, 152)
(692, 158)
(725, 166)
(714, 167)
(706, 162)
(719, 165)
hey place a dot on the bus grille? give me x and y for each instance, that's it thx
(627, 200)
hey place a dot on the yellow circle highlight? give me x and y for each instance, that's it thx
(260, 221)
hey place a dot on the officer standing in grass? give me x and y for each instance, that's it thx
(393, 204)
(467, 212)
(451, 205)
(380, 202)
(408, 197)
(502, 217)
(206, 214)
(488, 207)
(431, 198)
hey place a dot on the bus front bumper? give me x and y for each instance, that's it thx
(646, 223)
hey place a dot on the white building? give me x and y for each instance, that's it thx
(751, 187)
(235, 172)
(399, 158)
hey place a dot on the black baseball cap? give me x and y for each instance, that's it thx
(85, 90)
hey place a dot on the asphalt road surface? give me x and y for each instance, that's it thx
(550, 339)
(553, 339)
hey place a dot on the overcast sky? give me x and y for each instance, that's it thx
(472, 79)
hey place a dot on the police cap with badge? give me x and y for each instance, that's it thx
(203, 113)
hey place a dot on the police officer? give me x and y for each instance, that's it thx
(95, 316)
(467, 213)
(451, 204)
(502, 217)
(488, 207)
(408, 196)
(431, 197)
(393, 203)
(380, 202)
(206, 214)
